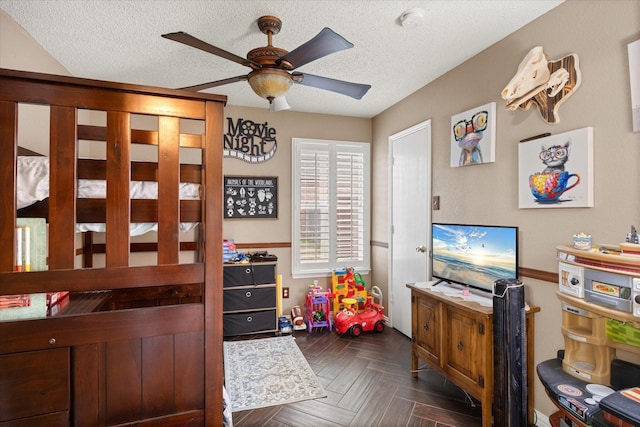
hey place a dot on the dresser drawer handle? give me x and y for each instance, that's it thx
(248, 271)
(249, 319)
(248, 294)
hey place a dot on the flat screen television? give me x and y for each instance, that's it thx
(473, 255)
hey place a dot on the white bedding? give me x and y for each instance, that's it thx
(33, 186)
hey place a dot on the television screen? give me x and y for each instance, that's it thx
(474, 255)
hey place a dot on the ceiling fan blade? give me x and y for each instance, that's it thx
(203, 86)
(326, 42)
(189, 40)
(354, 90)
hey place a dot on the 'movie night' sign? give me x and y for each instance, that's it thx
(249, 141)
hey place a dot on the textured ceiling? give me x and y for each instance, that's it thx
(120, 41)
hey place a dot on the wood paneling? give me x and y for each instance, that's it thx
(34, 383)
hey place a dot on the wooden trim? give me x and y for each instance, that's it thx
(380, 244)
(263, 245)
(532, 273)
(50, 79)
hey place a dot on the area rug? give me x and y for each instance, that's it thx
(267, 372)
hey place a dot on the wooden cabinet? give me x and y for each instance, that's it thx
(249, 298)
(455, 337)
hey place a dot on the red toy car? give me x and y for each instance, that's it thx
(349, 320)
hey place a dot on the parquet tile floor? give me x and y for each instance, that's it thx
(368, 382)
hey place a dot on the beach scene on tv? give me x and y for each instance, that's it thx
(474, 255)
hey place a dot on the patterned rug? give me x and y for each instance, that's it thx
(267, 372)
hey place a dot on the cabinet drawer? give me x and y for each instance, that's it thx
(249, 298)
(246, 323)
(34, 383)
(248, 274)
(264, 274)
(237, 275)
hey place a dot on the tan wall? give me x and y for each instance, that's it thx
(288, 124)
(598, 31)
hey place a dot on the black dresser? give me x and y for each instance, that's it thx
(250, 298)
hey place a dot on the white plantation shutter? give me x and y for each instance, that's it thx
(349, 204)
(314, 232)
(330, 206)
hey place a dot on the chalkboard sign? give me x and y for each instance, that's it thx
(250, 197)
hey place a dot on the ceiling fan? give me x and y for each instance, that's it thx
(272, 69)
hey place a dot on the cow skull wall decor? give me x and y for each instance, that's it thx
(544, 83)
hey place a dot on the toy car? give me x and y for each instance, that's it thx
(349, 320)
(284, 325)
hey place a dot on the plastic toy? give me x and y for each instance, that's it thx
(298, 319)
(346, 283)
(351, 321)
(318, 307)
(284, 325)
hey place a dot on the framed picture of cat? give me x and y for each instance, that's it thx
(473, 136)
(557, 171)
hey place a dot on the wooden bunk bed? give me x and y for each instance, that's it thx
(136, 345)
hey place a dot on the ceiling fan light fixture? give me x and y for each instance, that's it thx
(270, 83)
(279, 104)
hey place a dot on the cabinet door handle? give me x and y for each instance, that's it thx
(460, 346)
(426, 327)
(248, 294)
(249, 318)
(248, 271)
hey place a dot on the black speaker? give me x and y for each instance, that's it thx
(509, 354)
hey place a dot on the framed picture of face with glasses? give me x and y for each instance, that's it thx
(473, 136)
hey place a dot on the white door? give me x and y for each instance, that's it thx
(409, 218)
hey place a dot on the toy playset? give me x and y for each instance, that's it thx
(346, 283)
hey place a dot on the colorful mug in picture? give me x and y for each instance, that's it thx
(547, 187)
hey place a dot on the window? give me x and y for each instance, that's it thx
(331, 223)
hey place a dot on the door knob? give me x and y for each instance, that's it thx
(421, 249)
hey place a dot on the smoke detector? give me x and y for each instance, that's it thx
(412, 18)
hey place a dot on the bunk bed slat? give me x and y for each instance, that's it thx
(62, 184)
(8, 147)
(118, 182)
(168, 194)
(138, 136)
